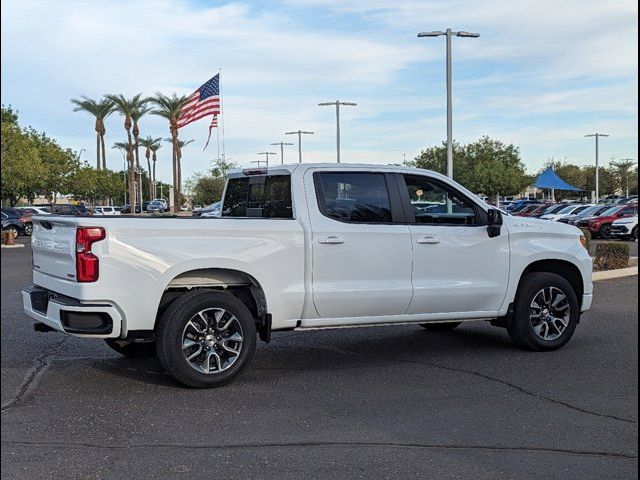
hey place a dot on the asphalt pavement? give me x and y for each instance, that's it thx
(387, 402)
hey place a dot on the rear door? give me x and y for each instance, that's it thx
(457, 267)
(361, 250)
(53, 247)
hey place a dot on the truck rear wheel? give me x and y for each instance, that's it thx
(546, 312)
(440, 327)
(206, 339)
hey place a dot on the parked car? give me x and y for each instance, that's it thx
(590, 212)
(126, 209)
(106, 210)
(163, 201)
(625, 228)
(13, 223)
(536, 210)
(156, 207)
(302, 247)
(601, 226)
(518, 205)
(565, 212)
(36, 210)
(70, 209)
(214, 211)
(629, 200)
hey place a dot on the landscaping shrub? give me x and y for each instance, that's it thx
(612, 255)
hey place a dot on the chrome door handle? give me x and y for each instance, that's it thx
(330, 240)
(428, 240)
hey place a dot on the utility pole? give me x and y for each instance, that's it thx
(266, 154)
(337, 104)
(282, 144)
(597, 136)
(299, 133)
(448, 33)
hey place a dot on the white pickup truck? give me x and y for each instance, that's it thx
(301, 247)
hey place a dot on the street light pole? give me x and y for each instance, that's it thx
(282, 144)
(449, 33)
(299, 133)
(337, 104)
(266, 154)
(597, 136)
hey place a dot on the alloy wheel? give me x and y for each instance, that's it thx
(550, 313)
(212, 340)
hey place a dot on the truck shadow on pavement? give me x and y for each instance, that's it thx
(292, 353)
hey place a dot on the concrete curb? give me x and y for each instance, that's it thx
(619, 273)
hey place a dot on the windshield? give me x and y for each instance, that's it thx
(568, 209)
(610, 211)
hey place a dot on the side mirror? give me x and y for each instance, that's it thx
(494, 222)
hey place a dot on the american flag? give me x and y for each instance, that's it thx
(204, 101)
(214, 124)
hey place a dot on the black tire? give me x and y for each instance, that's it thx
(520, 327)
(132, 349)
(605, 231)
(28, 229)
(440, 327)
(170, 337)
(634, 234)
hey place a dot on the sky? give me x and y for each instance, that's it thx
(542, 74)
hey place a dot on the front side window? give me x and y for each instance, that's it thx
(264, 196)
(438, 204)
(357, 197)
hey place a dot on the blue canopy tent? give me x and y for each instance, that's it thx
(549, 179)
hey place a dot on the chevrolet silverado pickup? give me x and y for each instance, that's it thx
(300, 247)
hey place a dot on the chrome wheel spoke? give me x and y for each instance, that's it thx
(549, 313)
(205, 347)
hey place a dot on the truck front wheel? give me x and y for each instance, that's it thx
(206, 339)
(546, 312)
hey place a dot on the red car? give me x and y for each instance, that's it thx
(533, 210)
(601, 226)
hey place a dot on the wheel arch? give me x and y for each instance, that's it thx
(235, 282)
(569, 271)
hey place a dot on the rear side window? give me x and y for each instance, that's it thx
(354, 197)
(263, 196)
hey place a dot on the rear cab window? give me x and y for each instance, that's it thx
(258, 196)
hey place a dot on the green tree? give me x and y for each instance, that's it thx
(623, 173)
(21, 166)
(154, 157)
(169, 107)
(208, 188)
(485, 166)
(100, 109)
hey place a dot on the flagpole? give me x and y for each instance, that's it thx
(221, 112)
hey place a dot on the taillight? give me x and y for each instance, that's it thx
(87, 264)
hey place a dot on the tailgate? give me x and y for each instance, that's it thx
(53, 243)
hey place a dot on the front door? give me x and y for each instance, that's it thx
(457, 267)
(361, 250)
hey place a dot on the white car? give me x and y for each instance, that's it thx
(565, 212)
(304, 247)
(102, 210)
(626, 228)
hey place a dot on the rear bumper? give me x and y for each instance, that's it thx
(70, 316)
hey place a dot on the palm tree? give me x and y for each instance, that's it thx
(128, 107)
(124, 148)
(169, 107)
(181, 144)
(100, 109)
(148, 143)
(154, 148)
(135, 116)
